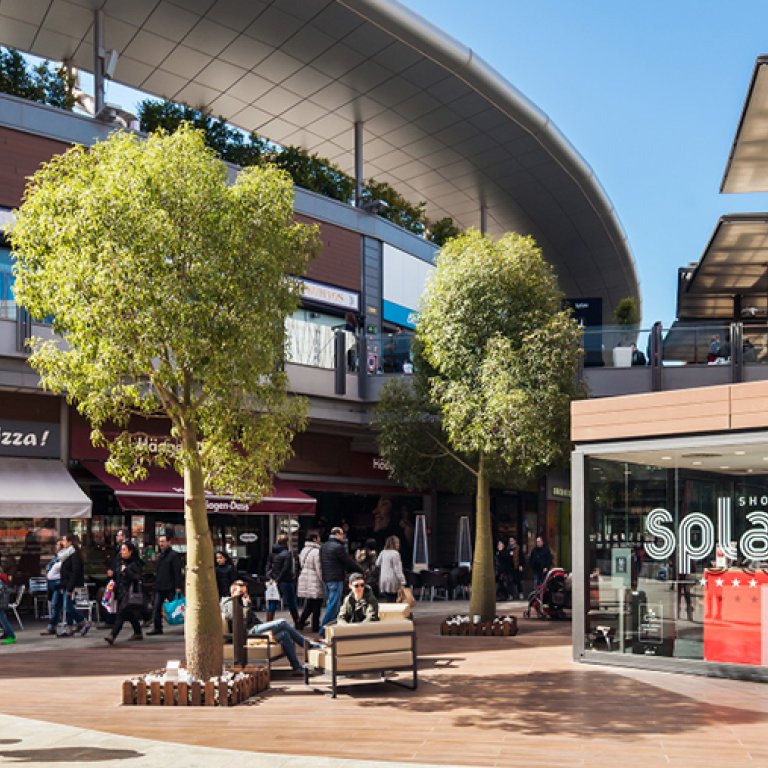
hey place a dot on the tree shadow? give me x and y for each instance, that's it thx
(570, 703)
(68, 755)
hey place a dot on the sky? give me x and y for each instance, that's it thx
(648, 93)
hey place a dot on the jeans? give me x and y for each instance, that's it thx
(71, 614)
(333, 589)
(285, 634)
(56, 601)
(5, 625)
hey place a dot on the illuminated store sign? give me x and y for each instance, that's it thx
(697, 538)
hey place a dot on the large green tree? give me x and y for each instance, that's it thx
(497, 363)
(169, 291)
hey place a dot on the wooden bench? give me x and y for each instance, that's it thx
(380, 648)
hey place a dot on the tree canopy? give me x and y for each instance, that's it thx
(170, 289)
(496, 372)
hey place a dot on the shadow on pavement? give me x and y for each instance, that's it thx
(69, 755)
(564, 703)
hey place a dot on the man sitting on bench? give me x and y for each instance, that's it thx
(281, 630)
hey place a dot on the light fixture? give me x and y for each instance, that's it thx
(696, 463)
(724, 467)
(666, 458)
(739, 453)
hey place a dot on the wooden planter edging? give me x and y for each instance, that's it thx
(501, 626)
(217, 692)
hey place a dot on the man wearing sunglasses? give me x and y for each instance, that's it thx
(360, 605)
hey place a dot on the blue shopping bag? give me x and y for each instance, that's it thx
(175, 610)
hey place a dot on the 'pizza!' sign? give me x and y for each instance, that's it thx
(30, 438)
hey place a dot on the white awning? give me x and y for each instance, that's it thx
(40, 488)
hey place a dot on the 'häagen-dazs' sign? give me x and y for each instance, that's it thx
(30, 438)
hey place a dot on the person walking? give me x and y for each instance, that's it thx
(72, 577)
(541, 561)
(9, 636)
(280, 570)
(390, 565)
(225, 573)
(127, 586)
(335, 561)
(53, 575)
(169, 582)
(310, 585)
(518, 568)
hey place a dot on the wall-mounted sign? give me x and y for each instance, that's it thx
(30, 438)
(330, 295)
(248, 538)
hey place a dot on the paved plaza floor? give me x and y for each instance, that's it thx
(484, 701)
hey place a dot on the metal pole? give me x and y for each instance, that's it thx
(98, 62)
(240, 653)
(358, 163)
(483, 218)
(340, 376)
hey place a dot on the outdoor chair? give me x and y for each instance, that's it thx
(14, 606)
(38, 589)
(83, 602)
(353, 652)
(434, 584)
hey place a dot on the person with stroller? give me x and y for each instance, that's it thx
(541, 562)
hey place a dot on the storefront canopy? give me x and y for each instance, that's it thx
(40, 488)
(163, 491)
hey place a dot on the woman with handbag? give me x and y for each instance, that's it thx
(129, 592)
(391, 576)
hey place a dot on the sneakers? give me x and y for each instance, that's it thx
(8, 641)
(66, 633)
(109, 639)
(84, 628)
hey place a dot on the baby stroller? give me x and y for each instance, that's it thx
(552, 598)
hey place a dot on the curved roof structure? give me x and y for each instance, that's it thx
(439, 124)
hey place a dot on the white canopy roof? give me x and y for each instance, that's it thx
(40, 488)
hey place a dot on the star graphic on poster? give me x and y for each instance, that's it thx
(735, 582)
(752, 583)
(719, 582)
(703, 581)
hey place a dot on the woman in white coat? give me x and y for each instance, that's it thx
(310, 585)
(390, 565)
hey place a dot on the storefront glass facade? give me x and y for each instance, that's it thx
(676, 551)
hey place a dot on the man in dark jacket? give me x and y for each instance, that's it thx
(168, 581)
(335, 561)
(541, 561)
(280, 570)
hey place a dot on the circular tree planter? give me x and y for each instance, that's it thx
(231, 688)
(501, 626)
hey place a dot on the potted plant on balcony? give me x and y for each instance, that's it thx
(626, 314)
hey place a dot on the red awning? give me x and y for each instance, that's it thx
(163, 491)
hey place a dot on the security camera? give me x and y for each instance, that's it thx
(110, 63)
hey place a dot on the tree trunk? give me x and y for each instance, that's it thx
(483, 600)
(202, 624)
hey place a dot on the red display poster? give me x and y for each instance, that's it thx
(736, 616)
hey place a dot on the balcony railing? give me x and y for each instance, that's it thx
(685, 355)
